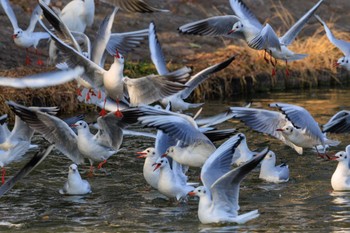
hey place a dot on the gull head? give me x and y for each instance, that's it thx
(199, 192)
(171, 151)
(287, 130)
(149, 152)
(73, 168)
(17, 34)
(237, 27)
(340, 156)
(119, 57)
(343, 61)
(80, 125)
(270, 157)
(161, 162)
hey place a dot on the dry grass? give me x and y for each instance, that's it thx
(315, 70)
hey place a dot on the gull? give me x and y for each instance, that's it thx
(134, 6)
(144, 90)
(177, 100)
(271, 173)
(341, 177)
(294, 126)
(77, 15)
(193, 147)
(285, 54)
(169, 183)
(344, 46)
(14, 144)
(41, 80)
(75, 185)
(242, 152)
(104, 41)
(243, 25)
(25, 38)
(98, 147)
(339, 123)
(151, 158)
(218, 197)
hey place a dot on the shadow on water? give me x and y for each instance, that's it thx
(121, 201)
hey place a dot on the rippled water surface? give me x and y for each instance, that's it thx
(122, 202)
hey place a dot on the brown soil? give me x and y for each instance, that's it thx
(195, 51)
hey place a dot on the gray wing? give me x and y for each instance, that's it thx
(52, 128)
(176, 127)
(339, 123)
(102, 38)
(215, 119)
(225, 191)
(243, 12)
(344, 46)
(110, 133)
(61, 29)
(283, 171)
(163, 142)
(74, 119)
(263, 121)
(219, 163)
(202, 76)
(35, 14)
(43, 79)
(93, 72)
(219, 134)
(134, 6)
(155, 48)
(125, 42)
(290, 35)
(10, 14)
(269, 39)
(213, 26)
(301, 119)
(149, 89)
(33, 163)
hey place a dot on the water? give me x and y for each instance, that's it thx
(122, 202)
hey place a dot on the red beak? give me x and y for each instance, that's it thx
(192, 194)
(157, 166)
(336, 64)
(333, 157)
(73, 125)
(141, 155)
(117, 55)
(230, 32)
(14, 36)
(280, 130)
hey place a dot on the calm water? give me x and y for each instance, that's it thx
(122, 202)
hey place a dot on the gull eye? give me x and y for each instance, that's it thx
(80, 123)
(161, 161)
(199, 190)
(340, 155)
(147, 151)
(270, 156)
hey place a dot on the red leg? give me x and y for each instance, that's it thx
(87, 98)
(99, 94)
(118, 113)
(28, 61)
(101, 164)
(103, 111)
(287, 71)
(79, 92)
(265, 58)
(39, 62)
(91, 172)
